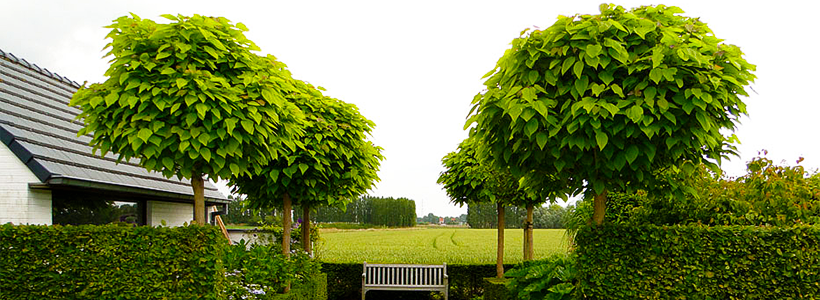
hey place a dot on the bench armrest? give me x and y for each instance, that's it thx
(364, 275)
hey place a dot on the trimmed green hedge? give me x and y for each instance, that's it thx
(110, 262)
(315, 288)
(698, 262)
(344, 282)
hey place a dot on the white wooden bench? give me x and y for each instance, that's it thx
(391, 277)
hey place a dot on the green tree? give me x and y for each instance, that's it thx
(467, 180)
(604, 101)
(190, 99)
(334, 164)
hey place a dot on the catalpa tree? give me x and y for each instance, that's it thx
(334, 164)
(469, 179)
(605, 101)
(189, 99)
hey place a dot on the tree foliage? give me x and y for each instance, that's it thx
(467, 179)
(768, 194)
(604, 101)
(334, 164)
(189, 97)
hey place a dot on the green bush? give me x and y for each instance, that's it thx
(255, 270)
(344, 282)
(551, 278)
(698, 262)
(111, 262)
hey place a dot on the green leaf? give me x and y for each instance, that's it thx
(181, 82)
(568, 63)
(597, 89)
(206, 154)
(168, 163)
(703, 120)
(617, 90)
(649, 95)
(248, 125)
(531, 127)
(111, 98)
(663, 104)
(211, 51)
(617, 25)
(532, 76)
(656, 75)
(541, 139)
(578, 69)
(95, 101)
(611, 108)
(657, 57)
(606, 77)
(593, 50)
(632, 153)
(601, 138)
(303, 168)
(541, 108)
(635, 113)
(581, 85)
(144, 134)
(230, 124)
(201, 110)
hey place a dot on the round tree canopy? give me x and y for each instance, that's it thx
(189, 98)
(334, 164)
(605, 100)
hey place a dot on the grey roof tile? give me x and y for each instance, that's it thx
(34, 110)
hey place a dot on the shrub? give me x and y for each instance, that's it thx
(110, 262)
(551, 278)
(698, 262)
(261, 269)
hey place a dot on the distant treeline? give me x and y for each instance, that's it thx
(484, 215)
(380, 211)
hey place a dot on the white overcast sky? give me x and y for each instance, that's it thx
(414, 66)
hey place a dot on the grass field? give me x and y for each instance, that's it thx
(433, 245)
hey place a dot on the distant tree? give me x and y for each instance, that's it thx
(190, 99)
(485, 215)
(380, 211)
(430, 218)
(603, 102)
(551, 216)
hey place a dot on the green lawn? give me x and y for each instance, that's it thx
(433, 245)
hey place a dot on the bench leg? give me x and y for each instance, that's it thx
(364, 292)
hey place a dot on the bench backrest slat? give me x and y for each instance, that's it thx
(404, 275)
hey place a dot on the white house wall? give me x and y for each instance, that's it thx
(18, 203)
(174, 214)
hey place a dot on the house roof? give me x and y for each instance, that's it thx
(39, 127)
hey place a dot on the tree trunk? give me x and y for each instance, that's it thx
(499, 262)
(199, 198)
(528, 239)
(599, 206)
(286, 223)
(306, 229)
